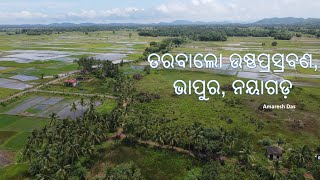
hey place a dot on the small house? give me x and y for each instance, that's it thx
(70, 83)
(274, 153)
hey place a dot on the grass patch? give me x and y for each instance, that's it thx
(5, 135)
(106, 106)
(243, 110)
(15, 171)
(4, 92)
(154, 163)
(23, 124)
(7, 120)
(17, 142)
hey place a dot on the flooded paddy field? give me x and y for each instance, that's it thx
(27, 56)
(98, 42)
(50, 55)
(13, 84)
(24, 78)
(3, 68)
(244, 45)
(44, 106)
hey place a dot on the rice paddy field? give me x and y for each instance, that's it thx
(14, 132)
(26, 60)
(43, 57)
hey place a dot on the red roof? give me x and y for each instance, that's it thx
(70, 81)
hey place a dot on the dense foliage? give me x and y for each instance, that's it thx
(55, 151)
(99, 68)
(161, 47)
(283, 35)
(194, 33)
(221, 33)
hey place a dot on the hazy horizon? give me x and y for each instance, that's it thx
(134, 11)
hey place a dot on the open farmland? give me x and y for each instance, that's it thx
(35, 60)
(44, 106)
(26, 62)
(258, 45)
(14, 131)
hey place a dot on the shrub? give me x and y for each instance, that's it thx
(147, 69)
(283, 36)
(146, 97)
(265, 141)
(281, 141)
(227, 87)
(229, 121)
(137, 77)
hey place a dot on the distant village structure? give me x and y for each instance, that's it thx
(274, 153)
(71, 83)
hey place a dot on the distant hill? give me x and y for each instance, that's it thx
(288, 21)
(267, 21)
(185, 22)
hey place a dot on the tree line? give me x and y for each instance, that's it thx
(162, 47)
(221, 33)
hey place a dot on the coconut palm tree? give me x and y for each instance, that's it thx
(82, 103)
(246, 154)
(74, 109)
(62, 172)
(301, 156)
(276, 174)
(35, 138)
(159, 137)
(73, 150)
(53, 117)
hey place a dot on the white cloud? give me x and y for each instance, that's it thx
(98, 16)
(238, 10)
(49, 11)
(92, 14)
(22, 14)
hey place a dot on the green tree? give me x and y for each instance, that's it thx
(53, 117)
(246, 154)
(74, 109)
(147, 69)
(300, 157)
(276, 174)
(274, 43)
(82, 103)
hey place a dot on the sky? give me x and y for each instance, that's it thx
(151, 11)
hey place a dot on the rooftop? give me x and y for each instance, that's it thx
(70, 81)
(274, 150)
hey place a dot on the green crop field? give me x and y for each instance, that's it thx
(14, 130)
(229, 113)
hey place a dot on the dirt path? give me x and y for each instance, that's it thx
(119, 134)
(177, 149)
